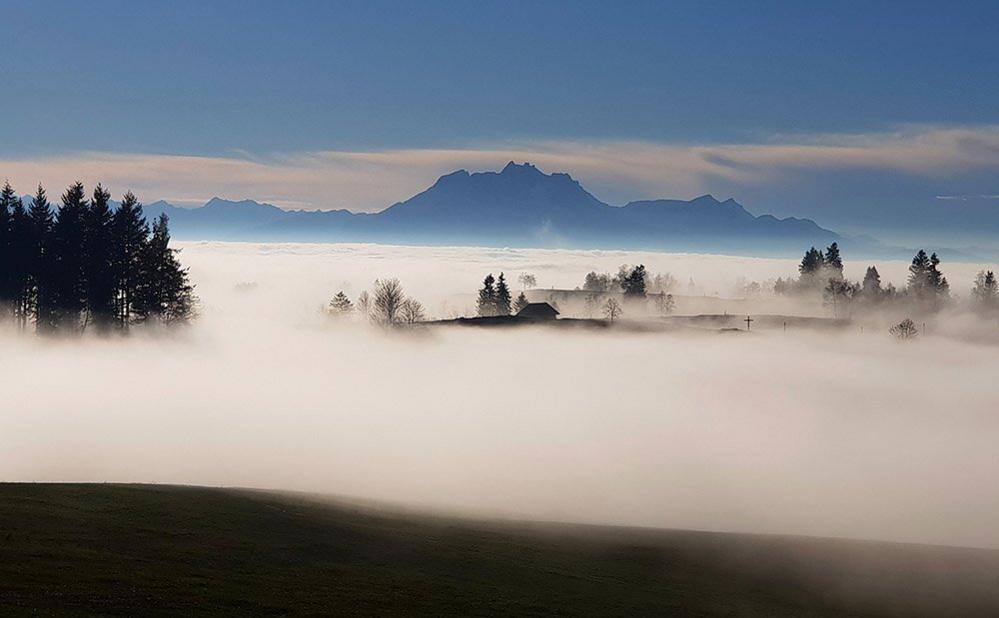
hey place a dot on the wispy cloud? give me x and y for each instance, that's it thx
(615, 170)
(966, 198)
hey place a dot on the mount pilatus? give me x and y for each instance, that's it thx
(519, 206)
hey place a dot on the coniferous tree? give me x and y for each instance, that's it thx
(833, 262)
(985, 294)
(40, 261)
(164, 293)
(926, 283)
(68, 283)
(340, 305)
(919, 269)
(870, 289)
(519, 303)
(8, 292)
(938, 283)
(20, 250)
(810, 269)
(98, 272)
(633, 284)
(502, 296)
(486, 304)
(129, 237)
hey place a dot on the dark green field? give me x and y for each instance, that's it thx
(131, 550)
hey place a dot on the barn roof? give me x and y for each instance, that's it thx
(538, 310)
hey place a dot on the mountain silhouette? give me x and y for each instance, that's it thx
(517, 206)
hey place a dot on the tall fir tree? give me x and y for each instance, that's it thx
(919, 275)
(164, 295)
(870, 289)
(833, 262)
(68, 238)
(938, 283)
(633, 284)
(40, 261)
(98, 272)
(985, 294)
(20, 248)
(519, 303)
(130, 234)
(486, 304)
(502, 296)
(8, 291)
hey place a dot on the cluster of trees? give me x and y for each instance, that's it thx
(387, 306)
(85, 265)
(632, 281)
(927, 288)
(985, 293)
(494, 297)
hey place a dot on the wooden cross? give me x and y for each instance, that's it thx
(748, 321)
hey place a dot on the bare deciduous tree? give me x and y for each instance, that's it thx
(411, 311)
(665, 303)
(527, 280)
(388, 301)
(612, 309)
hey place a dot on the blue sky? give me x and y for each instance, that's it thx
(263, 82)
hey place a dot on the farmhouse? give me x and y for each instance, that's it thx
(538, 311)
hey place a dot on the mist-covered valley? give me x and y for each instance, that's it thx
(844, 432)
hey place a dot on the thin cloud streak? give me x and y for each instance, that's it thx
(616, 171)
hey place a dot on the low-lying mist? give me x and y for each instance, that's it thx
(845, 433)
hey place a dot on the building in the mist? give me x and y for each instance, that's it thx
(538, 311)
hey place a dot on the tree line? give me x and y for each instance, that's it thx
(387, 306)
(927, 289)
(85, 265)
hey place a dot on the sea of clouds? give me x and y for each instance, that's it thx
(843, 434)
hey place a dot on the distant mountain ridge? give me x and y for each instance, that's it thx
(517, 206)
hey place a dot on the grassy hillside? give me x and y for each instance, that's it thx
(126, 550)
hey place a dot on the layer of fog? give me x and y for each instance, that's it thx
(843, 434)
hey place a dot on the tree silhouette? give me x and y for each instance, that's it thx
(926, 283)
(98, 265)
(633, 284)
(904, 330)
(870, 289)
(87, 264)
(8, 281)
(164, 294)
(519, 303)
(833, 262)
(612, 309)
(69, 295)
(595, 282)
(502, 296)
(129, 234)
(388, 301)
(486, 304)
(412, 311)
(985, 294)
(340, 305)
(40, 261)
(665, 303)
(527, 280)
(20, 252)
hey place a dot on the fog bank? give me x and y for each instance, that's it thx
(849, 434)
